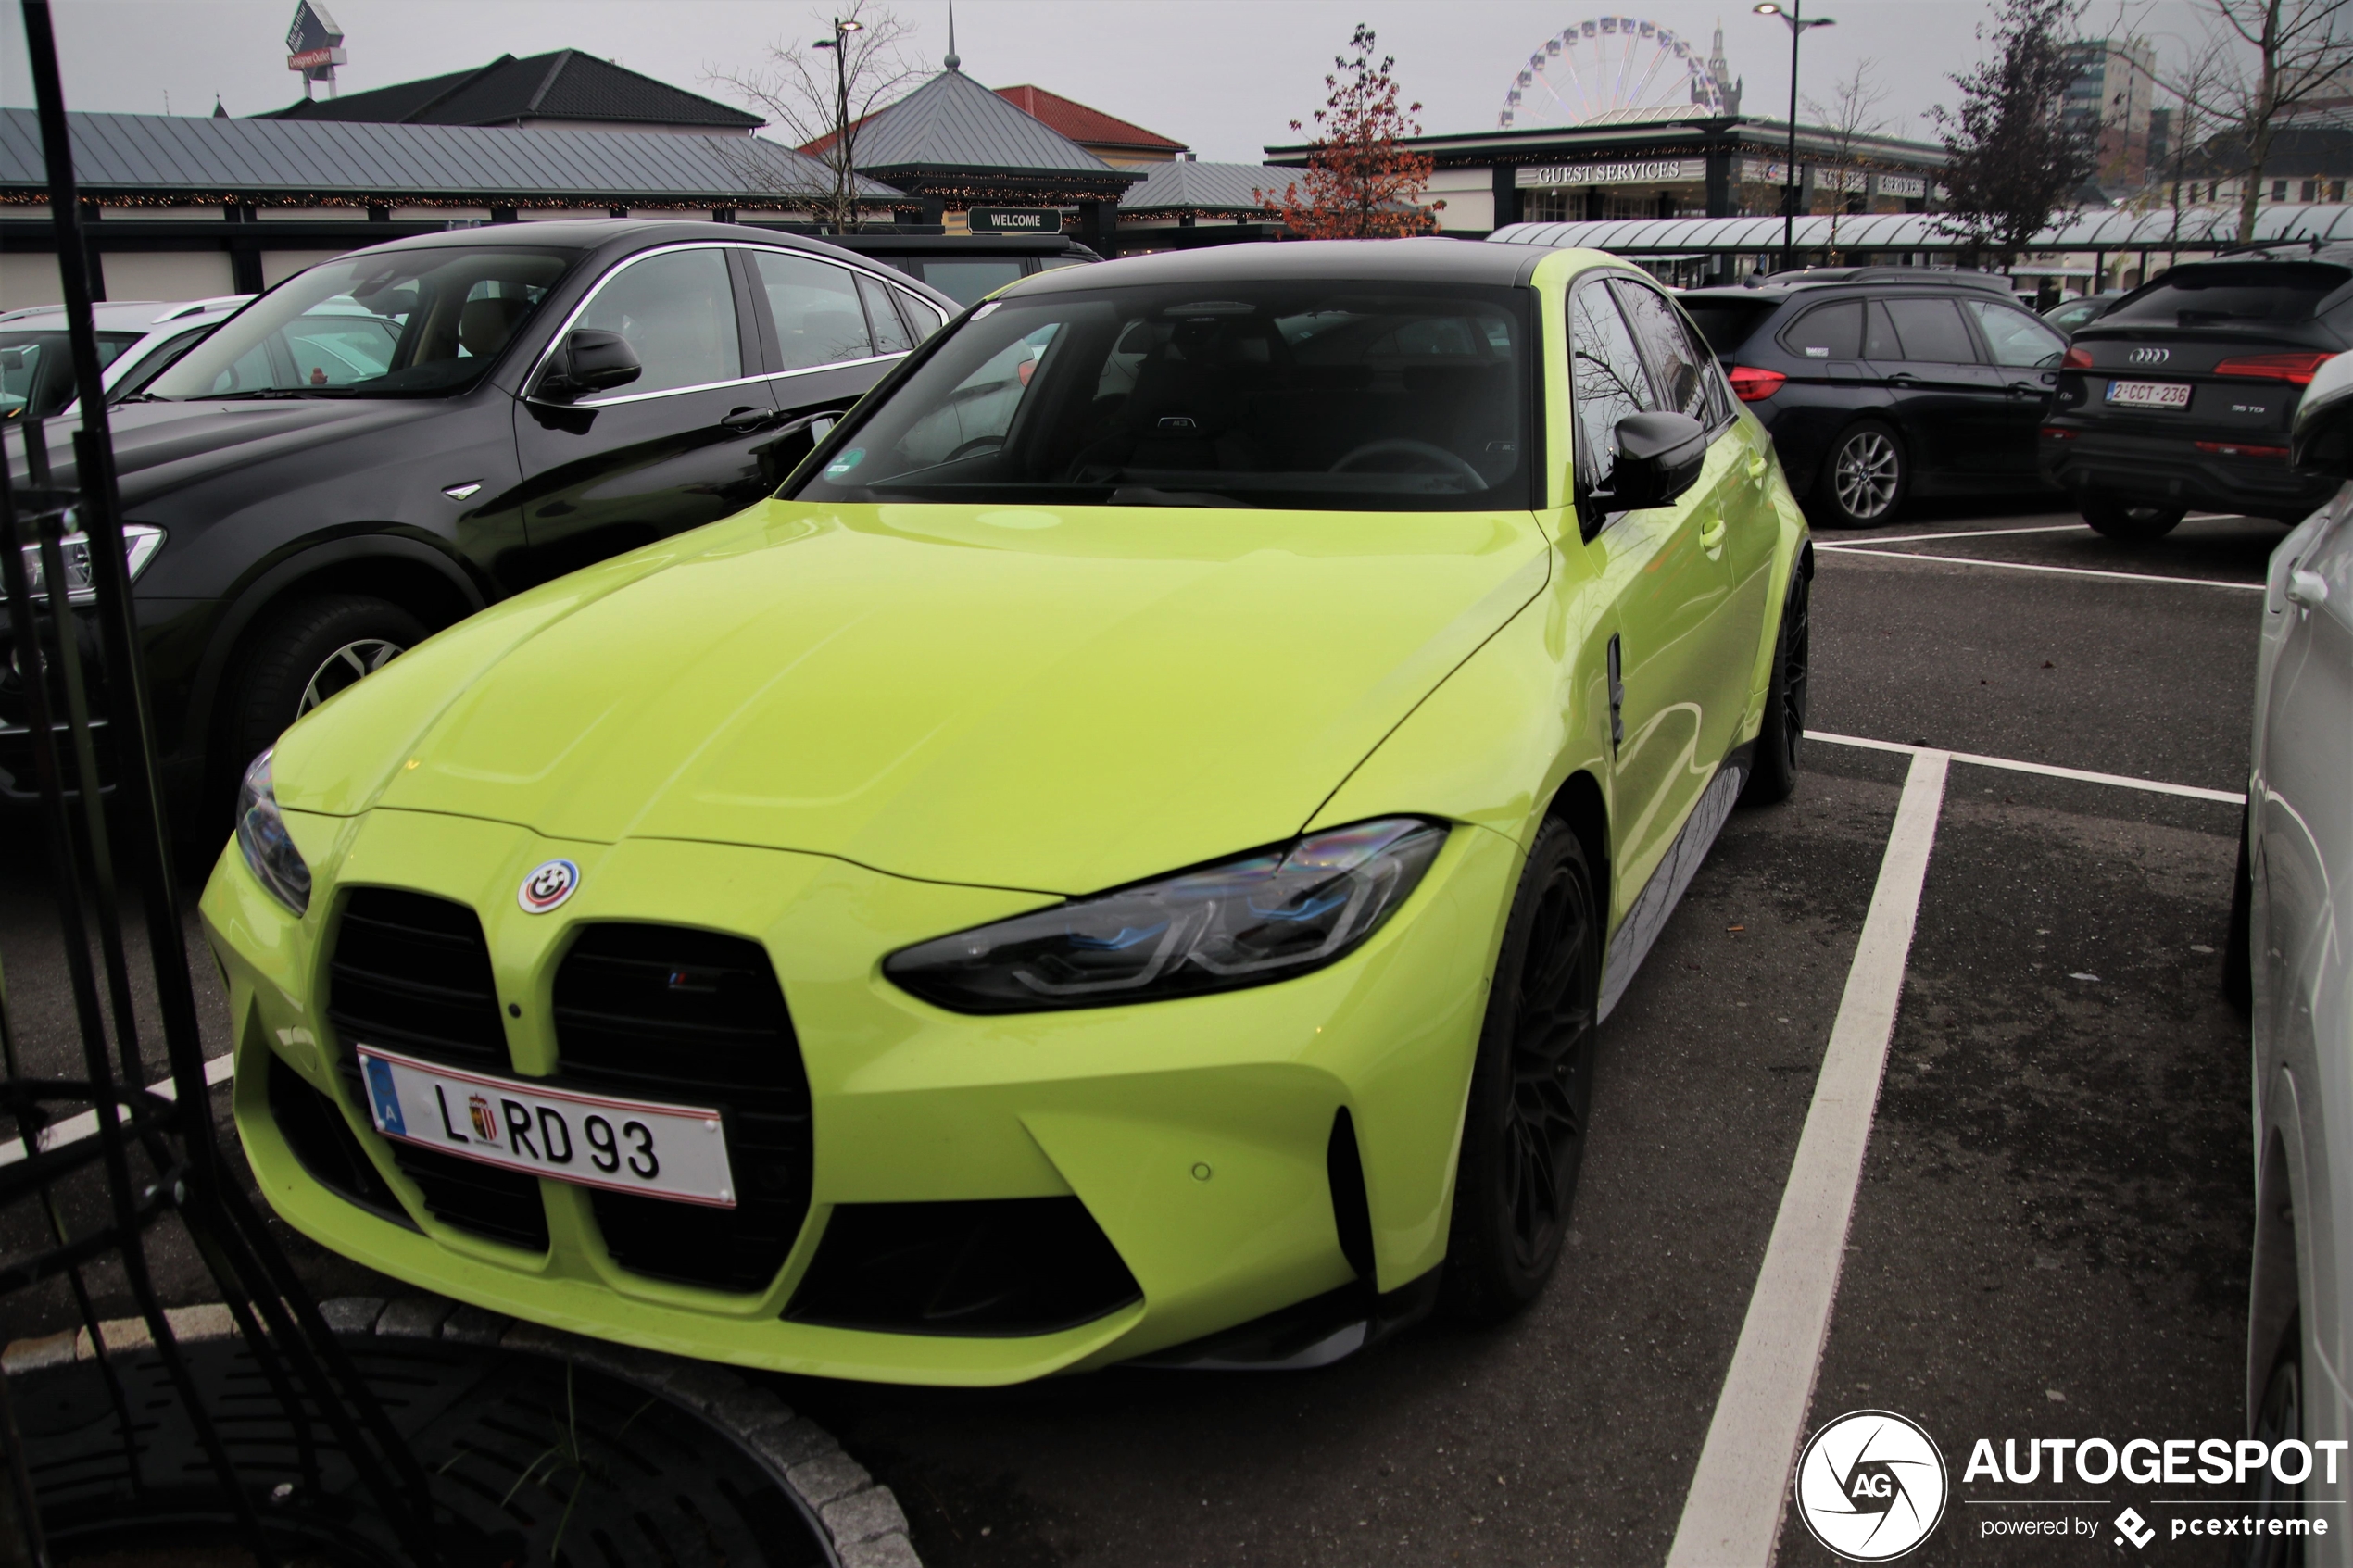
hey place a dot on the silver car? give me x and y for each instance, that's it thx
(138, 340)
(2288, 958)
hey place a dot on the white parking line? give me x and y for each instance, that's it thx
(73, 1129)
(2154, 787)
(2023, 565)
(1970, 533)
(1732, 1514)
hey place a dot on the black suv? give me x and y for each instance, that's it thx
(2182, 393)
(1880, 383)
(384, 444)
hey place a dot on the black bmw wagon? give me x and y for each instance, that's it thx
(1882, 383)
(390, 441)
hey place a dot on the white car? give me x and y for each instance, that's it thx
(2294, 920)
(138, 340)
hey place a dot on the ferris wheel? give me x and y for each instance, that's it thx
(1619, 69)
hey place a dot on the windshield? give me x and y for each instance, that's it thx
(2274, 294)
(1353, 397)
(36, 369)
(373, 326)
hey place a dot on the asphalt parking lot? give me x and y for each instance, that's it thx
(2048, 1236)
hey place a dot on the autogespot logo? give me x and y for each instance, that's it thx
(1870, 1486)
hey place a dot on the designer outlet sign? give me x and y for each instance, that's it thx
(1873, 1485)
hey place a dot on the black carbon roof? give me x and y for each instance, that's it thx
(1430, 259)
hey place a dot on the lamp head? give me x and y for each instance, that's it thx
(1766, 9)
(849, 27)
(823, 44)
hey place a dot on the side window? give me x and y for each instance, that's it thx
(1606, 381)
(814, 307)
(1683, 369)
(678, 312)
(890, 333)
(2016, 338)
(1827, 332)
(1932, 330)
(922, 317)
(1878, 334)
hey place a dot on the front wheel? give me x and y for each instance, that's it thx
(305, 654)
(2279, 1419)
(2126, 520)
(1864, 478)
(1531, 1088)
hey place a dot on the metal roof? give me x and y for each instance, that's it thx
(953, 121)
(565, 84)
(2200, 227)
(1214, 188)
(198, 160)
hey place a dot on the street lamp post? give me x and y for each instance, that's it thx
(1794, 18)
(843, 175)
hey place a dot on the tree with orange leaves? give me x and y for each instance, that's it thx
(1361, 181)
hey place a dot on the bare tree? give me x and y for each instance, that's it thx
(2301, 47)
(2197, 89)
(820, 94)
(1851, 116)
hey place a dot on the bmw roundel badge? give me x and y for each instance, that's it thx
(547, 886)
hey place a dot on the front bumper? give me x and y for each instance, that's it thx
(2169, 470)
(1196, 1132)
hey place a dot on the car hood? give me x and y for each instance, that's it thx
(166, 446)
(1059, 700)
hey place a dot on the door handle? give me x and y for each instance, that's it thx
(2307, 588)
(1903, 379)
(740, 419)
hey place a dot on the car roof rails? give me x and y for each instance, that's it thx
(1942, 276)
(2313, 248)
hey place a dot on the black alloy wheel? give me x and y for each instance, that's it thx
(1864, 479)
(305, 654)
(1784, 725)
(1531, 1088)
(2128, 520)
(2279, 1419)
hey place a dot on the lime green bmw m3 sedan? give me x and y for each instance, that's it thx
(1124, 857)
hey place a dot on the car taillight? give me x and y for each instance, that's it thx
(1753, 386)
(2236, 449)
(2297, 368)
(2053, 432)
(2076, 360)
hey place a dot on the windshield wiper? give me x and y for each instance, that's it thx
(1145, 495)
(271, 392)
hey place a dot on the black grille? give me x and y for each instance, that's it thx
(411, 973)
(998, 1266)
(322, 1142)
(666, 1013)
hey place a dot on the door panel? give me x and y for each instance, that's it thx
(672, 450)
(2025, 354)
(1663, 585)
(1951, 406)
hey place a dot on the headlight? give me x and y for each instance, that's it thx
(270, 850)
(1250, 921)
(139, 543)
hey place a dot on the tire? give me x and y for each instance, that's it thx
(1775, 777)
(1864, 478)
(304, 654)
(2238, 958)
(2277, 1419)
(2127, 520)
(1524, 1129)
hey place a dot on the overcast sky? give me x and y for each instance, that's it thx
(1224, 76)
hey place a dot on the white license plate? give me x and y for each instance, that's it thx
(674, 1151)
(2149, 393)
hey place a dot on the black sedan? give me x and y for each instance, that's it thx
(2182, 393)
(1882, 383)
(387, 442)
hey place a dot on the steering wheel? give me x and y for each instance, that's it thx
(973, 447)
(1401, 448)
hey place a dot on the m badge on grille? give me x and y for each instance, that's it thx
(547, 886)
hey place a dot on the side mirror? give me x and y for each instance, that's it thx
(1659, 457)
(2321, 441)
(590, 361)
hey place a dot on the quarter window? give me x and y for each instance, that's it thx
(1827, 332)
(890, 333)
(677, 310)
(1606, 382)
(1932, 330)
(814, 307)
